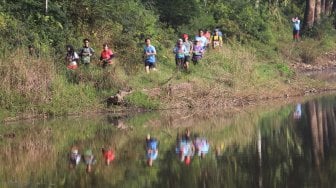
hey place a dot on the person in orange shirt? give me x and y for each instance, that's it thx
(207, 35)
(106, 56)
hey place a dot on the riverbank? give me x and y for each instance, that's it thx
(185, 97)
(234, 77)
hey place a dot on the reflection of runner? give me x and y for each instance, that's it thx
(108, 155)
(151, 150)
(89, 160)
(185, 149)
(298, 111)
(202, 146)
(75, 157)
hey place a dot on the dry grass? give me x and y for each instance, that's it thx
(26, 76)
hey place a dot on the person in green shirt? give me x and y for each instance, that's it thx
(86, 52)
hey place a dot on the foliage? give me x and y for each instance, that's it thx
(174, 13)
(139, 99)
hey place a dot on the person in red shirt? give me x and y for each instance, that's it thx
(108, 155)
(106, 56)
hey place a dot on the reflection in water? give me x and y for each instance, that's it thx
(108, 155)
(75, 157)
(202, 146)
(152, 150)
(254, 149)
(298, 111)
(89, 160)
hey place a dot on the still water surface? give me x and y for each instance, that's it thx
(284, 146)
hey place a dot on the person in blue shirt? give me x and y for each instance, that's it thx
(179, 51)
(296, 28)
(149, 55)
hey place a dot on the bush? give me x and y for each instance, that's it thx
(284, 69)
(139, 99)
(309, 51)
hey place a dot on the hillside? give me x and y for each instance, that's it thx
(258, 61)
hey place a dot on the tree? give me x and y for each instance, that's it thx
(317, 11)
(309, 14)
(177, 12)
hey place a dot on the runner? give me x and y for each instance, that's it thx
(189, 46)
(106, 56)
(207, 35)
(71, 58)
(216, 40)
(200, 37)
(149, 56)
(197, 51)
(179, 51)
(86, 52)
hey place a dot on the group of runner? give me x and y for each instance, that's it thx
(88, 157)
(186, 148)
(186, 50)
(85, 55)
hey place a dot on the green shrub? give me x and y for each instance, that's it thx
(139, 99)
(309, 51)
(265, 72)
(284, 69)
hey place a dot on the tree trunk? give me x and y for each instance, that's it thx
(317, 11)
(323, 10)
(327, 7)
(314, 133)
(309, 14)
(333, 8)
(319, 114)
(326, 133)
(331, 127)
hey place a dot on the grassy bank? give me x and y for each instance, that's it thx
(44, 86)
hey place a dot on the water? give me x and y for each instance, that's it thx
(285, 146)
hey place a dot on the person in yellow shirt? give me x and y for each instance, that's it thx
(216, 40)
